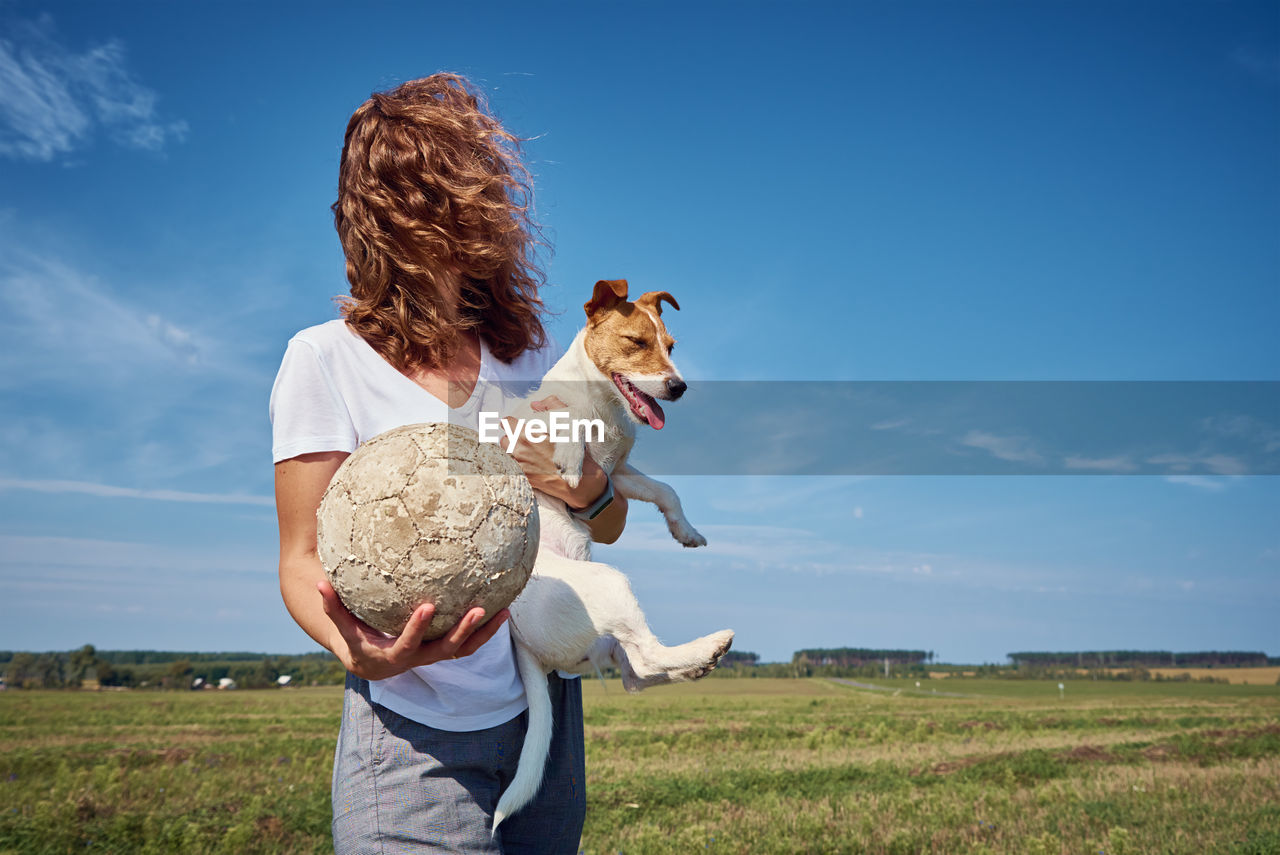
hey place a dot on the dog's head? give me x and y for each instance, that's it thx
(630, 345)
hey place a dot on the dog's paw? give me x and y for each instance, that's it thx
(568, 460)
(720, 643)
(685, 533)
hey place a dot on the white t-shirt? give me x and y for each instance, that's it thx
(333, 392)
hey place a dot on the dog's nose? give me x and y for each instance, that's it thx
(675, 388)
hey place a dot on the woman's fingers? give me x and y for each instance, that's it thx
(449, 644)
(478, 638)
(411, 637)
(454, 638)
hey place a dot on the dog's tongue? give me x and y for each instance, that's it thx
(652, 413)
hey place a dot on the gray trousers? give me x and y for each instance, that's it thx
(401, 786)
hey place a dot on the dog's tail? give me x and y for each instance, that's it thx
(537, 739)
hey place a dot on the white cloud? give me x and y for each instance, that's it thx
(107, 491)
(1100, 464)
(81, 560)
(53, 99)
(768, 494)
(1216, 464)
(785, 549)
(1016, 449)
(857, 512)
(777, 544)
(1200, 481)
(101, 382)
(48, 304)
(1247, 428)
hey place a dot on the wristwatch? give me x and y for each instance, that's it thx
(597, 507)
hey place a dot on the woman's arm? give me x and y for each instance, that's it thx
(311, 600)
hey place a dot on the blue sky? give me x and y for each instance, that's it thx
(853, 191)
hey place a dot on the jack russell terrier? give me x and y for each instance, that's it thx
(576, 615)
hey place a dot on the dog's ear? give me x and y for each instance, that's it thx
(608, 293)
(655, 299)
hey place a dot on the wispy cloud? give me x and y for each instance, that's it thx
(1200, 481)
(784, 549)
(102, 381)
(54, 99)
(766, 495)
(108, 491)
(1016, 449)
(1216, 464)
(1248, 428)
(48, 304)
(83, 559)
(1100, 464)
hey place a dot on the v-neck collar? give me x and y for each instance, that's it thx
(475, 387)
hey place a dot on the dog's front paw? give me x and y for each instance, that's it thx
(568, 460)
(685, 533)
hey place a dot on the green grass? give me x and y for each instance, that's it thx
(753, 766)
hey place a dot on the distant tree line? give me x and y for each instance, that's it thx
(853, 657)
(154, 657)
(87, 666)
(1140, 659)
(163, 669)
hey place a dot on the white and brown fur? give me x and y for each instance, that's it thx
(577, 615)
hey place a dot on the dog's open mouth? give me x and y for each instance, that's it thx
(644, 406)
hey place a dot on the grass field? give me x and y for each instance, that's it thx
(750, 766)
(1253, 676)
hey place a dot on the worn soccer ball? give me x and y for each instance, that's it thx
(427, 513)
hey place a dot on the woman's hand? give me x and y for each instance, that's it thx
(369, 654)
(535, 458)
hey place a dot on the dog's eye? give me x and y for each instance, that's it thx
(670, 348)
(636, 341)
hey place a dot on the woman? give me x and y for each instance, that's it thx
(443, 318)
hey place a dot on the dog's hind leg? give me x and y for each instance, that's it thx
(579, 602)
(647, 662)
(634, 484)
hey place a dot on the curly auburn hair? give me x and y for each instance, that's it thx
(433, 212)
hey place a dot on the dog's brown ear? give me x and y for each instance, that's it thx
(655, 299)
(608, 293)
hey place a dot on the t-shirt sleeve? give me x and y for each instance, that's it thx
(307, 413)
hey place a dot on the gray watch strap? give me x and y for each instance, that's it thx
(594, 509)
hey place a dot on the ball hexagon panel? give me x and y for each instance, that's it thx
(382, 532)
